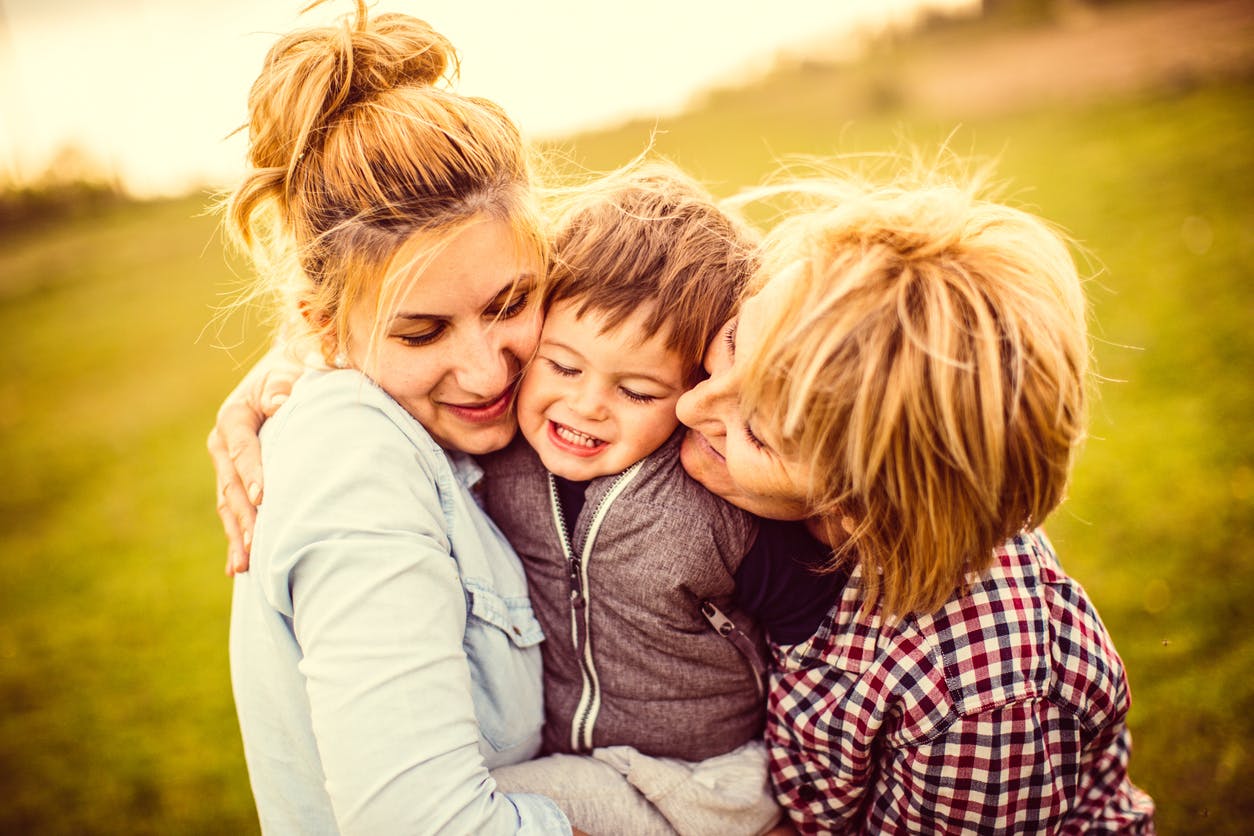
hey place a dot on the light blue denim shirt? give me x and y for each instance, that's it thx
(384, 653)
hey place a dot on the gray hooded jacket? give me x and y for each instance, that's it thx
(628, 657)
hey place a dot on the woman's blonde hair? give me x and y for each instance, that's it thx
(354, 149)
(927, 365)
(648, 236)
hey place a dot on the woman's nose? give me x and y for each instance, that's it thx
(695, 408)
(484, 367)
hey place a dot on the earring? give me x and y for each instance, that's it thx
(341, 360)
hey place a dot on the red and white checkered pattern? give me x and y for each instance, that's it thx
(1004, 712)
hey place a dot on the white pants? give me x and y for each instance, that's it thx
(618, 790)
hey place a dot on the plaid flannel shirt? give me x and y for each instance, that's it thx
(1002, 712)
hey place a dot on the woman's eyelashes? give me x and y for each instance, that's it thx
(513, 306)
(425, 338)
(729, 337)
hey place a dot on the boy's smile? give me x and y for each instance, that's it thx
(594, 403)
(573, 441)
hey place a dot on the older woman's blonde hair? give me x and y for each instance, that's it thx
(354, 148)
(927, 364)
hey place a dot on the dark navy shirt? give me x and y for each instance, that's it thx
(779, 582)
(571, 494)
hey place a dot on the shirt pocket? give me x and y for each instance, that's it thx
(502, 644)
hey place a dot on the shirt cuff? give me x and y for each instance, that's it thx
(538, 815)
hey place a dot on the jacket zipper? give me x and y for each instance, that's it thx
(584, 720)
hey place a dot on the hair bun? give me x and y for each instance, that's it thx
(312, 75)
(400, 51)
(375, 57)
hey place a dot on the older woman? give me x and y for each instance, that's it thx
(907, 376)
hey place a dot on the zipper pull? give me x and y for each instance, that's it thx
(729, 630)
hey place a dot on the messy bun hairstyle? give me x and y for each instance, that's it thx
(356, 143)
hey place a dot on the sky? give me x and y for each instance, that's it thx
(151, 89)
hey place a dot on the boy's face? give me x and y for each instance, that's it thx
(593, 404)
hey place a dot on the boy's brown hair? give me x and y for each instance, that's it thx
(927, 364)
(648, 236)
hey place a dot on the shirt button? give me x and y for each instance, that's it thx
(517, 632)
(807, 792)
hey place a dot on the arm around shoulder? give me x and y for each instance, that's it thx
(357, 555)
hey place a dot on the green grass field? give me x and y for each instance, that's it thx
(117, 713)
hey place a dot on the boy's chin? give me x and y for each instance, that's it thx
(575, 472)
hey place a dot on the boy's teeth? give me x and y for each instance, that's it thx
(576, 437)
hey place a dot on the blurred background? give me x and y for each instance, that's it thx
(1130, 124)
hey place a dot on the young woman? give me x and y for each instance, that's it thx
(383, 649)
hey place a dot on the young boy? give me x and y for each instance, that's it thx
(628, 559)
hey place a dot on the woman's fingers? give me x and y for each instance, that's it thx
(235, 448)
(238, 468)
(239, 423)
(237, 549)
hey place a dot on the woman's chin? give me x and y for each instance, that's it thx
(479, 440)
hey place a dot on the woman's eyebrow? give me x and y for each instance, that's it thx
(419, 317)
(520, 282)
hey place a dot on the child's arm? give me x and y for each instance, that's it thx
(594, 795)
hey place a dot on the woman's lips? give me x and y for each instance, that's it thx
(703, 445)
(706, 465)
(487, 412)
(571, 440)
